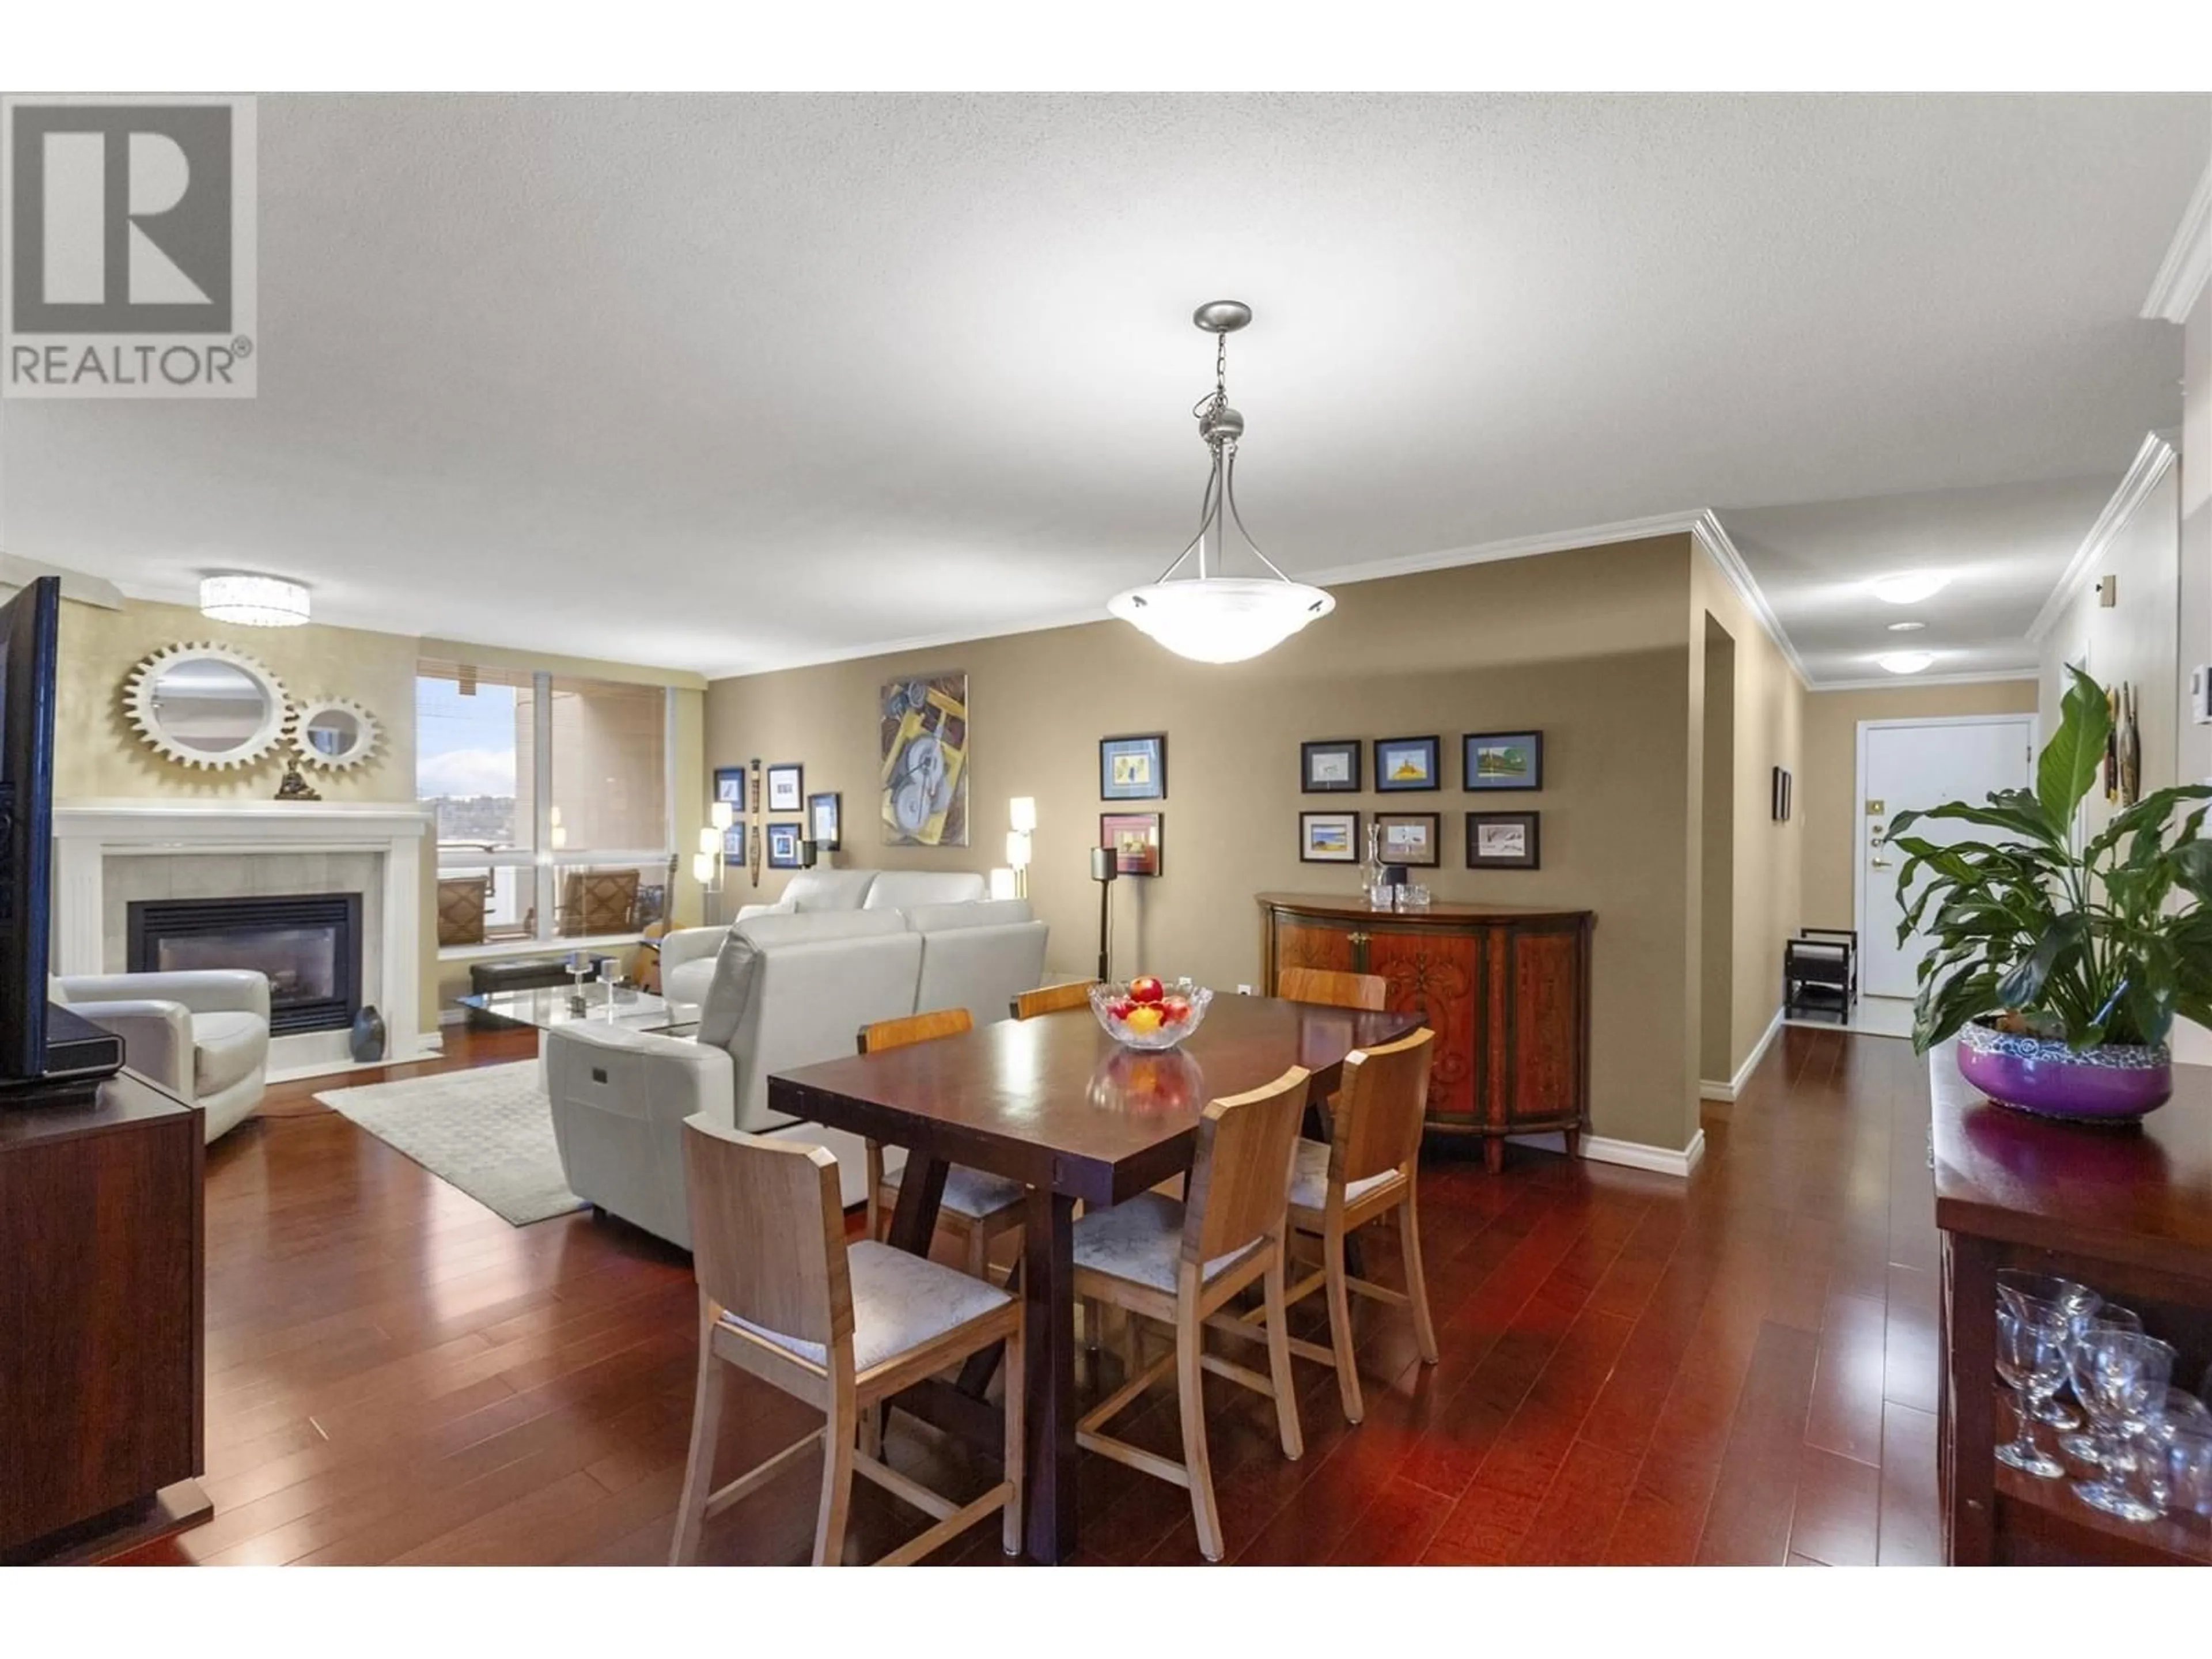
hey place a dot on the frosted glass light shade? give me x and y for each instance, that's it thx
(710, 841)
(1221, 618)
(255, 601)
(1002, 884)
(702, 868)
(1017, 849)
(1906, 662)
(1911, 587)
(1022, 810)
(722, 816)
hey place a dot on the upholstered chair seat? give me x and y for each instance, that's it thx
(1310, 1178)
(1141, 1241)
(900, 1302)
(970, 1193)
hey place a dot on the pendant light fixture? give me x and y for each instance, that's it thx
(1211, 617)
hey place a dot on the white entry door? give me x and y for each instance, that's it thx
(1918, 764)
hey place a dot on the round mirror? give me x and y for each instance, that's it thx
(206, 705)
(335, 734)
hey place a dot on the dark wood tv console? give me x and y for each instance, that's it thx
(101, 1320)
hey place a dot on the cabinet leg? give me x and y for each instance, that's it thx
(1574, 1143)
(1494, 1153)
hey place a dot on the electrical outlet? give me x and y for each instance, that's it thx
(1243, 990)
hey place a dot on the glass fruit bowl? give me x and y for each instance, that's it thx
(1149, 1013)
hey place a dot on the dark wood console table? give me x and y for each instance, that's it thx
(1506, 988)
(101, 1322)
(2127, 1211)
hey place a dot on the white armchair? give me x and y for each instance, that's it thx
(204, 1035)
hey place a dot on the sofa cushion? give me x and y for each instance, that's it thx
(901, 890)
(227, 1048)
(815, 927)
(984, 912)
(828, 889)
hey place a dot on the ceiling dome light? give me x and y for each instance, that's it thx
(1906, 662)
(254, 601)
(1911, 587)
(1209, 617)
(1906, 628)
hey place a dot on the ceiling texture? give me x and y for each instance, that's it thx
(733, 383)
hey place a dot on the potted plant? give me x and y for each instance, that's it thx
(2061, 970)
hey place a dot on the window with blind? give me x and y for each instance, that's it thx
(552, 795)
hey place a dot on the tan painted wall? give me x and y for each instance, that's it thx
(1590, 646)
(1830, 815)
(98, 756)
(1766, 858)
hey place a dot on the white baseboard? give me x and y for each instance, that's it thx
(455, 1016)
(1709, 1090)
(1635, 1155)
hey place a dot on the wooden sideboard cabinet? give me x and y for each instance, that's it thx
(1506, 989)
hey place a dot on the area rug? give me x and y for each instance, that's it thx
(487, 1130)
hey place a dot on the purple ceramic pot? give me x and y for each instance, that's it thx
(2114, 1082)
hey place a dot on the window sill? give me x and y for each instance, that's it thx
(538, 947)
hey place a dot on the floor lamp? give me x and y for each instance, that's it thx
(1104, 867)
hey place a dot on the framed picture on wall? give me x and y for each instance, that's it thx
(1135, 839)
(1502, 760)
(824, 815)
(733, 845)
(1329, 837)
(1133, 768)
(1502, 841)
(1406, 764)
(1781, 804)
(1411, 838)
(783, 840)
(730, 786)
(1330, 766)
(786, 787)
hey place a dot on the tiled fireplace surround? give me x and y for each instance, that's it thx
(109, 853)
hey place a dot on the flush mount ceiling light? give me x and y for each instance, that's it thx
(254, 601)
(1211, 617)
(1911, 587)
(1906, 662)
(1906, 628)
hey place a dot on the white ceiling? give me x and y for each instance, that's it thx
(729, 383)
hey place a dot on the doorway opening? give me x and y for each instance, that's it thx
(1716, 920)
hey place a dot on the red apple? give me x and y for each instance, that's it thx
(1175, 1010)
(1120, 1007)
(1145, 988)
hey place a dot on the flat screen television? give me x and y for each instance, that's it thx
(43, 1049)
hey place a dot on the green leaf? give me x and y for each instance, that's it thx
(2148, 815)
(2191, 864)
(2024, 984)
(2070, 761)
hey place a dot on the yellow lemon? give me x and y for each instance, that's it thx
(1144, 1020)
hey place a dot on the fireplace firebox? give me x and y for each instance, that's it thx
(309, 945)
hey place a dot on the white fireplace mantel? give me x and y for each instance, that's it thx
(89, 833)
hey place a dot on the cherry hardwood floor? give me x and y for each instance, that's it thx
(1737, 1369)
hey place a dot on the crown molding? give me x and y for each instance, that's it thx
(2188, 263)
(16, 571)
(2152, 459)
(1887, 682)
(1713, 537)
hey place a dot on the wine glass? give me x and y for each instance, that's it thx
(2162, 1457)
(2120, 1376)
(2110, 1314)
(2032, 1359)
(2187, 1444)
(2046, 1295)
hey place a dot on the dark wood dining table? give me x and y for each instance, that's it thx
(1055, 1104)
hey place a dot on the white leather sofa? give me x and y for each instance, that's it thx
(204, 1035)
(687, 956)
(783, 990)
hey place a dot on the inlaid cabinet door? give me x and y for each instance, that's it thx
(1540, 989)
(1313, 945)
(1434, 974)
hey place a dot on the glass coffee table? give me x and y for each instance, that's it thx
(598, 1003)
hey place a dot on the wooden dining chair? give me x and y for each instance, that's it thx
(1052, 999)
(1177, 1263)
(977, 1209)
(1333, 989)
(1368, 1168)
(783, 1298)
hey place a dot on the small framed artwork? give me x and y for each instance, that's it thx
(1133, 768)
(730, 786)
(1330, 766)
(1135, 839)
(786, 787)
(1411, 838)
(1501, 841)
(783, 840)
(733, 845)
(824, 815)
(1502, 760)
(1406, 764)
(1781, 794)
(1329, 837)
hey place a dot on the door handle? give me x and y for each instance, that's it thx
(1879, 864)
